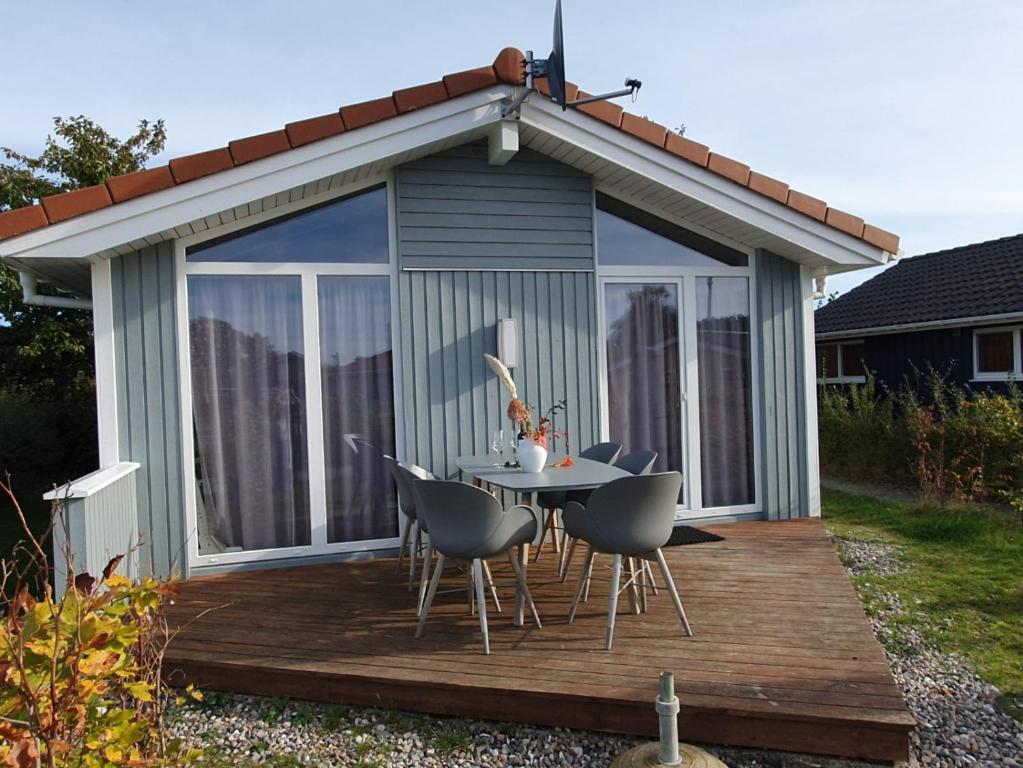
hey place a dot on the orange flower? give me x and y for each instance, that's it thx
(518, 411)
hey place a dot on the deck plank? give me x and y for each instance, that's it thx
(782, 655)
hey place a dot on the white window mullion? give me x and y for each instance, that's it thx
(314, 412)
(691, 393)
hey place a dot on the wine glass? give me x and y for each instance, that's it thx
(495, 442)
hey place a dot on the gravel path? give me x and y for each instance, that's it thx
(959, 724)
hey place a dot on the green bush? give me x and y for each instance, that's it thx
(955, 444)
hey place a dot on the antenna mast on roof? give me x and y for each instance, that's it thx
(553, 68)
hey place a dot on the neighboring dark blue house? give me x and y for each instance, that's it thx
(959, 311)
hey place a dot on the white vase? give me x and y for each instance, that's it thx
(532, 455)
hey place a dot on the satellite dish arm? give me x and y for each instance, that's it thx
(513, 105)
(632, 87)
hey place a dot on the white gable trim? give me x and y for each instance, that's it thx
(623, 149)
(470, 116)
(157, 212)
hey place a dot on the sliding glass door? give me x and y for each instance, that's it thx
(290, 385)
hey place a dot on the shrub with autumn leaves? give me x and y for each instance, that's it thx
(81, 674)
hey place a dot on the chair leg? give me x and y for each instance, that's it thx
(589, 579)
(641, 576)
(670, 586)
(424, 578)
(650, 577)
(567, 550)
(409, 524)
(437, 571)
(490, 584)
(630, 567)
(413, 553)
(520, 576)
(547, 526)
(481, 601)
(612, 602)
(469, 592)
(584, 577)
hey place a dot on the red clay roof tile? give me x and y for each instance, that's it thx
(368, 112)
(846, 222)
(469, 80)
(688, 149)
(881, 238)
(510, 66)
(811, 206)
(70, 204)
(765, 185)
(607, 111)
(314, 128)
(644, 129)
(419, 96)
(571, 89)
(200, 164)
(130, 185)
(22, 220)
(729, 168)
(259, 146)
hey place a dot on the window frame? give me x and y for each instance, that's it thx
(841, 378)
(309, 272)
(1016, 374)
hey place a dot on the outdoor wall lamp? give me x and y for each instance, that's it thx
(507, 342)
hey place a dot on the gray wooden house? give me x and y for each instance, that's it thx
(260, 307)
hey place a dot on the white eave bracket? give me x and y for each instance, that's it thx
(503, 141)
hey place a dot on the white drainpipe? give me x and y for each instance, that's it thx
(31, 295)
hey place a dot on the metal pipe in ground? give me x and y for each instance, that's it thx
(667, 751)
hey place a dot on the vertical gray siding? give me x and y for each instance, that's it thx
(782, 370)
(452, 401)
(98, 528)
(148, 412)
(456, 211)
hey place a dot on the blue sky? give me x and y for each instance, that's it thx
(906, 113)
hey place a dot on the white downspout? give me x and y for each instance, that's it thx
(31, 295)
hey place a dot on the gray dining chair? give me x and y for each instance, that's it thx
(552, 501)
(628, 518)
(469, 524)
(418, 540)
(635, 463)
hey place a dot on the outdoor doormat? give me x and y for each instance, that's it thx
(686, 534)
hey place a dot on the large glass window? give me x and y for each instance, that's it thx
(726, 394)
(350, 230)
(358, 406)
(249, 412)
(628, 236)
(644, 392)
(996, 352)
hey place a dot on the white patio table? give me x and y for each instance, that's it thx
(584, 474)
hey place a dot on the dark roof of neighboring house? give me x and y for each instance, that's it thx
(976, 280)
(508, 68)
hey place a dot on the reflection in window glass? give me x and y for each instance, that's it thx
(358, 407)
(621, 242)
(995, 352)
(248, 407)
(350, 230)
(852, 360)
(643, 387)
(827, 361)
(726, 395)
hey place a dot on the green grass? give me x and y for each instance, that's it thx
(963, 584)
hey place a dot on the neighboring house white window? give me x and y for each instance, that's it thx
(841, 362)
(997, 355)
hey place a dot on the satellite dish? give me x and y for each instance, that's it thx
(556, 62)
(553, 68)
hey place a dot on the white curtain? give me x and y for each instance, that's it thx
(248, 405)
(726, 401)
(358, 407)
(643, 387)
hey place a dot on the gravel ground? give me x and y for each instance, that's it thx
(959, 723)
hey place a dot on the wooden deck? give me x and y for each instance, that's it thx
(782, 656)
